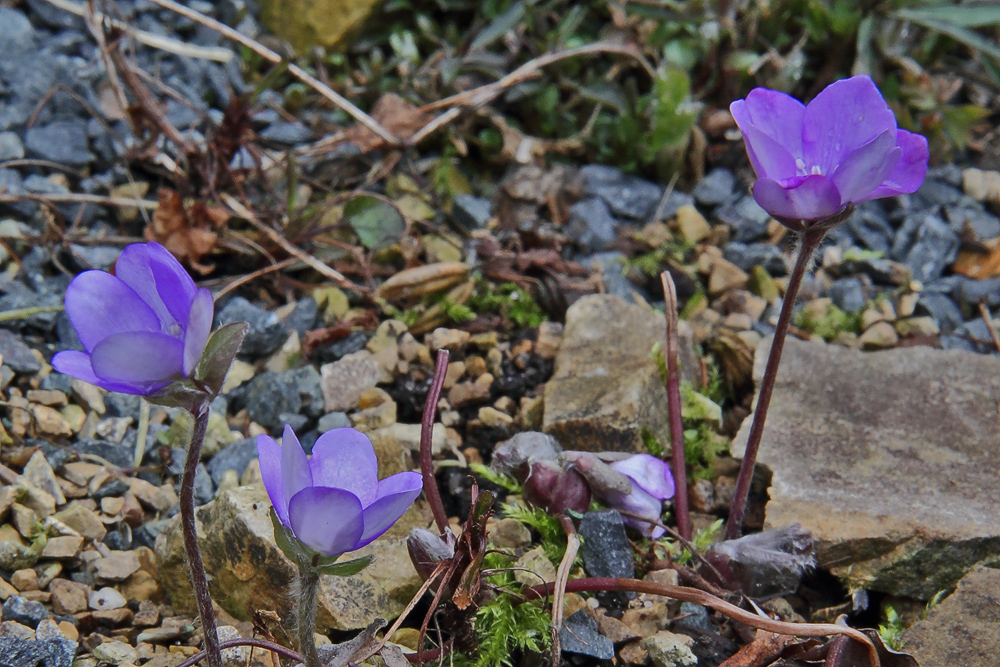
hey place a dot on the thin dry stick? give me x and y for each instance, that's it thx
(243, 212)
(242, 280)
(73, 197)
(562, 578)
(216, 53)
(984, 312)
(671, 353)
(233, 643)
(431, 490)
(697, 596)
(293, 69)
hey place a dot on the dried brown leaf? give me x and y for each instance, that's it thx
(980, 265)
(186, 234)
(422, 280)
(393, 113)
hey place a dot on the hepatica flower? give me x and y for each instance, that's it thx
(141, 328)
(652, 483)
(843, 148)
(333, 501)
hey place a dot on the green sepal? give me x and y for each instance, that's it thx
(288, 543)
(219, 353)
(181, 394)
(344, 568)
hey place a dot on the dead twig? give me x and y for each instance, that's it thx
(293, 69)
(81, 198)
(984, 312)
(562, 578)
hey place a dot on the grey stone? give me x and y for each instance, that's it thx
(848, 294)
(881, 271)
(333, 420)
(268, 395)
(11, 183)
(11, 147)
(694, 616)
(236, 456)
(17, 652)
(100, 257)
(16, 354)
(667, 649)
(591, 224)
(114, 454)
(717, 187)
(890, 460)
(948, 173)
(606, 387)
(927, 245)
(944, 311)
(63, 142)
(627, 196)
(870, 228)
(579, 634)
(611, 266)
(246, 568)
(937, 193)
(972, 336)
(471, 212)
(974, 292)
(964, 629)
(303, 317)
(748, 220)
(25, 612)
(267, 332)
(748, 255)
(308, 383)
(286, 133)
(974, 217)
(353, 342)
(16, 33)
(606, 552)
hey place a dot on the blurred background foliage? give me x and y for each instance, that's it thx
(938, 64)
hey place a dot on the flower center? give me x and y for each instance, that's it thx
(176, 330)
(814, 170)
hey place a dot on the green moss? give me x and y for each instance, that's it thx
(509, 301)
(828, 323)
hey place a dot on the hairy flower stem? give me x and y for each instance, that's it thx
(671, 353)
(306, 616)
(811, 239)
(195, 566)
(431, 490)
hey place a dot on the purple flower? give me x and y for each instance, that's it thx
(843, 148)
(333, 501)
(652, 483)
(142, 328)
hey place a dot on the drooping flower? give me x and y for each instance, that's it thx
(333, 501)
(141, 328)
(652, 483)
(813, 161)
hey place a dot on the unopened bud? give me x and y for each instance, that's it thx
(427, 550)
(556, 489)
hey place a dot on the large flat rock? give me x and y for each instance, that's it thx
(606, 387)
(964, 629)
(891, 459)
(247, 570)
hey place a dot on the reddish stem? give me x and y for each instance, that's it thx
(431, 490)
(196, 567)
(674, 408)
(811, 238)
(259, 643)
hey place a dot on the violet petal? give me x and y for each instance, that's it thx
(77, 364)
(649, 473)
(395, 495)
(295, 474)
(159, 279)
(864, 169)
(641, 503)
(199, 327)
(99, 305)
(774, 114)
(344, 458)
(328, 520)
(769, 158)
(815, 198)
(138, 357)
(844, 116)
(909, 173)
(269, 457)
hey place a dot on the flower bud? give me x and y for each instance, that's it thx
(427, 550)
(556, 489)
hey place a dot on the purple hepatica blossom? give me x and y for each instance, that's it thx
(142, 328)
(843, 148)
(652, 483)
(333, 501)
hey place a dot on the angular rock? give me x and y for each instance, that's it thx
(236, 456)
(471, 212)
(16, 354)
(927, 245)
(267, 332)
(344, 381)
(606, 552)
(667, 649)
(591, 224)
(246, 567)
(964, 629)
(579, 634)
(16, 652)
(606, 386)
(308, 23)
(717, 186)
(62, 142)
(890, 459)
